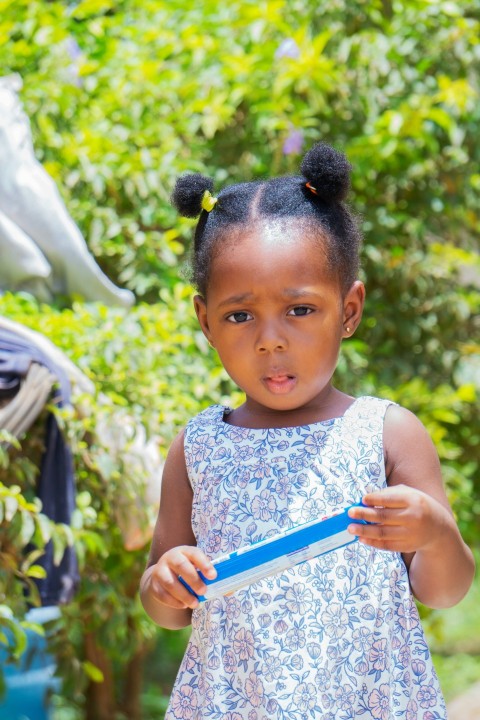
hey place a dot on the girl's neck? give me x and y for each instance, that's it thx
(253, 416)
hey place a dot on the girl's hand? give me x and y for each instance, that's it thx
(406, 520)
(183, 560)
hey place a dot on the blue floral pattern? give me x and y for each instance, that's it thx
(334, 638)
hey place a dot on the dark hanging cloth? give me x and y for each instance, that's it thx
(56, 482)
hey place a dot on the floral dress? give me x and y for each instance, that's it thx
(334, 638)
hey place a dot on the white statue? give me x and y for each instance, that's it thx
(41, 248)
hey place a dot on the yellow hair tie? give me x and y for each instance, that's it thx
(208, 201)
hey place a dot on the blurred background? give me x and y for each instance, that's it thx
(121, 98)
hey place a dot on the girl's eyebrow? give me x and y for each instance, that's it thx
(235, 299)
(288, 293)
(296, 293)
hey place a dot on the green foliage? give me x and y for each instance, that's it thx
(125, 96)
(152, 369)
(456, 650)
(24, 533)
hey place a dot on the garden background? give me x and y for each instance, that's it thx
(125, 96)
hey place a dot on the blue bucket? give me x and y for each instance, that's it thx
(30, 682)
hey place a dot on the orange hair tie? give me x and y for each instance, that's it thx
(311, 188)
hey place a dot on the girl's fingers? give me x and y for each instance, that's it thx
(378, 515)
(390, 545)
(386, 506)
(187, 561)
(377, 532)
(189, 602)
(178, 557)
(380, 536)
(392, 497)
(183, 561)
(201, 562)
(170, 591)
(395, 538)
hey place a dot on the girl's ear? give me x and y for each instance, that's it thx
(201, 311)
(353, 308)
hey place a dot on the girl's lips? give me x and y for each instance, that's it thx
(280, 384)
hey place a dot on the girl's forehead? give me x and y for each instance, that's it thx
(272, 238)
(284, 235)
(273, 254)
(279, 231)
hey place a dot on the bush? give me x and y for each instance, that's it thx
(151, 370)
(125, 96)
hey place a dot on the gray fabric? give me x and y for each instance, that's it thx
(80, 382)
(11, 342)
(22, 410)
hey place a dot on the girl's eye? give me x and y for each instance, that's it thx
(239, 317)
(300, 310)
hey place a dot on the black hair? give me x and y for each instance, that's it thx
(317, 199)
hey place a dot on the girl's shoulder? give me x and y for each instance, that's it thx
(410, 455)
(405, 438)
(404, 431)
(368, 408)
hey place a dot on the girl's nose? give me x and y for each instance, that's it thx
(271, 338)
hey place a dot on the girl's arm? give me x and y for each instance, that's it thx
(174, 550)
(414, 517)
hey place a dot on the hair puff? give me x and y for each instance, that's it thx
(328, 171)
(188, 193)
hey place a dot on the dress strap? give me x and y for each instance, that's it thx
(366, 407)
(364, 420)
(200, 432)
(360, 435)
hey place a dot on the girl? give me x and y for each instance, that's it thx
(336, 637)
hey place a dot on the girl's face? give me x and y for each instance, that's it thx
(276, 317)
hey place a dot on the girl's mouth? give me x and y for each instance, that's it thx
(280, 384)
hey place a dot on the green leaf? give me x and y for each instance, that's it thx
(93, 672)
(34, 627)
(18, 641)
(44, 528)
(10, 507)
(27, 528)
(36, 571)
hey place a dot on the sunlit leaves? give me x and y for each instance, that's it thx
(122, 98)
